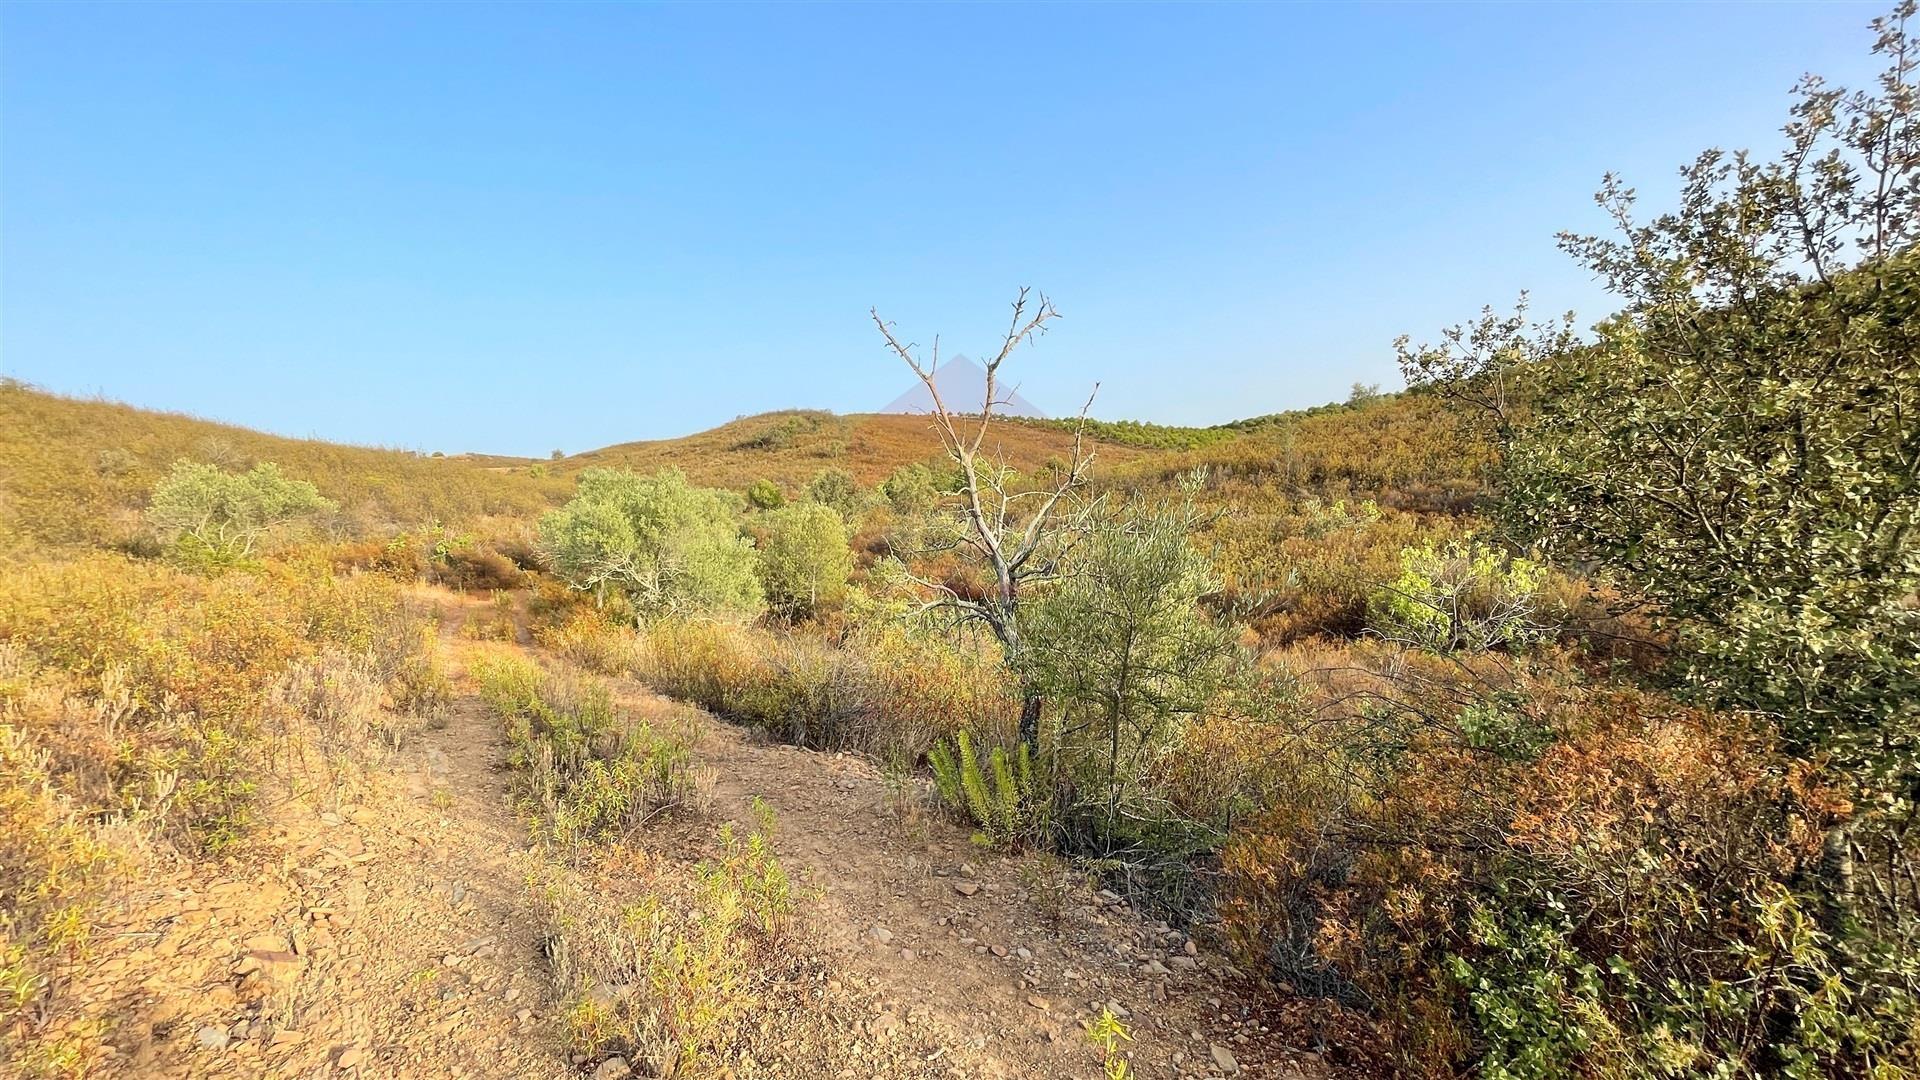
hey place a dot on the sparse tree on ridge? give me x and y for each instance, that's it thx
(1010, 527)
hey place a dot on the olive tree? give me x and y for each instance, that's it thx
(804, 558)
(668, 547)
(210, 514)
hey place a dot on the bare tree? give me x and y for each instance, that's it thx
(1011, 528)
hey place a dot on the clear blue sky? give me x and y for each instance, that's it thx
(517, 228)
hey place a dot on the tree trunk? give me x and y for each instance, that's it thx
(1836, 878)
(1030, 721)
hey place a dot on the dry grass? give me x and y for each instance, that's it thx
(78, 473)
(145, 708)
(788, 448)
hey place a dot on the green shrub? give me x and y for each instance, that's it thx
(1122, 649)
(215, 518)
(665, 546)
(1461, 595)
(1006, 798)
(911, 489)
(590, 772)
(764, 494)
(804, 559)
(836, 489)
(671, 979)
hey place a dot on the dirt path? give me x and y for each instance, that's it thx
(395, 936)
(384, 937)
(985, 962)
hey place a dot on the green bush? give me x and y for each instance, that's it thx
(1006, 798)
(764, 494)
(665, 546)
(590, 772)
(672, 978)
(1121, 648)
(836, 488)
(911, 489)
(216, 518)
(804, 559)
(1461, 595)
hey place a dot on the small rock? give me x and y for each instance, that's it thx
(347, 1058)
(965, 888)
(1191, 948)
(614, 1068)
(1023, 953)
(213, 1037)
(882, 935)
(906, 954)
(883, 1024)
(1038, 1002)
(1224, 1058)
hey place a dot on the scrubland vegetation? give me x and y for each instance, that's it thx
(1555, 717)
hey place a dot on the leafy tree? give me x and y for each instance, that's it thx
(911, 488)
(1741, 444)
(1121, 644)
(836, 488)
(211, 515)
(666, 546)
(804, 558)
(1742, 441)
(764, 494)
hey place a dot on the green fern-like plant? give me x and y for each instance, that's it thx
(973, 783)
(946, 774)
(1001, 796)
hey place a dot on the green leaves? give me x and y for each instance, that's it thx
(216, 517)
(1005, 796)
(1463, 595)
(804, 558)
(1121, 646)
(664, 545)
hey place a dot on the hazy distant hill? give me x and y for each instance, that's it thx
(963, 389)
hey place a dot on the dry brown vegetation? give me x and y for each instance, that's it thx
(76, 473)
(788, 448)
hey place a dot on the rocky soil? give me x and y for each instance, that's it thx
(390, 931)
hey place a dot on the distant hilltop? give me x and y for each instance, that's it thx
(963, 386)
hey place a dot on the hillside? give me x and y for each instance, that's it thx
(76, 472)
(790, 447)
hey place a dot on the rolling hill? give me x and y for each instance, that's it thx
(76, 472)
